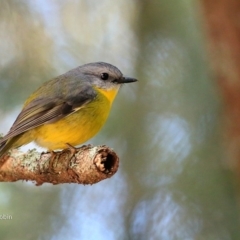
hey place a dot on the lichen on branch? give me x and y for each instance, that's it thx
(85, 165)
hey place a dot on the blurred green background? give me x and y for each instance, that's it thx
(172, 183)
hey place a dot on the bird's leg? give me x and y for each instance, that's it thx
(72, 151)
(51, 161)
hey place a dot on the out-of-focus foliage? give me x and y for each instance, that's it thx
(26, 52)
(171, 183)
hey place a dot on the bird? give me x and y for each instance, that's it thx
(67, 110)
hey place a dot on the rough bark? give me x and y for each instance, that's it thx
(84, 165)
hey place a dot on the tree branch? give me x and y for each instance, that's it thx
(85, 165)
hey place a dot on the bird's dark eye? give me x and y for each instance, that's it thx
(104, 76)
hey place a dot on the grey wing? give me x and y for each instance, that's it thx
(46, 110)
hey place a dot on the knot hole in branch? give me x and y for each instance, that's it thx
(106, 161)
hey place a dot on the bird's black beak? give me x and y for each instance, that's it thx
(125, 80)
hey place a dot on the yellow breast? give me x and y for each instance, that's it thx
(78, 127)
(109, 94)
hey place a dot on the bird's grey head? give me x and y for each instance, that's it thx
(104, 75)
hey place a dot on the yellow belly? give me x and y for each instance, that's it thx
(76, 128)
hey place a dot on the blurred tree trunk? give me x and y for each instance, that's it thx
(222, 23)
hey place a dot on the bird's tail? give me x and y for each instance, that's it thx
(3, 148)
(7, 144)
